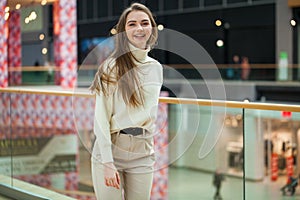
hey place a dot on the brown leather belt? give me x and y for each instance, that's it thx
(133, 131)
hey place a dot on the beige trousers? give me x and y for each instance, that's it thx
(134, 186)
(134, 159)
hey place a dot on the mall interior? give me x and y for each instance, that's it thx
(229, 101)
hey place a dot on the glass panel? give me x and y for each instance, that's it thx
(202, 141)
(93, 52)
(5, 139)
(272, 142)
(44, 140)
(38, 77)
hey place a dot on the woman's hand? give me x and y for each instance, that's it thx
(111, 175)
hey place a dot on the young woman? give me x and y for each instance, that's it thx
(127, 87)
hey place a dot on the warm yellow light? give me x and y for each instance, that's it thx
(6, 9)
(160, 27)
(218, 22)
(293, 22)
(43, 2)
(42, 36)
(113, 31)
(44, 51)
(6, 16)
(239, 117)
(26, 20)
(234, 123)
(32, 15)
(227, 122)
(18, 6)
(220, 43)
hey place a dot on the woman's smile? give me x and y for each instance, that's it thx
(138, 29)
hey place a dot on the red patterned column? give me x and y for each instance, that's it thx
(160, 178)
(65, 42)
(3, 46)
(14, 48)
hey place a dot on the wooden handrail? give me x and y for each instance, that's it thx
(293, 3)
(175, 66)
(33, 68)
(62, 92)
(232, 104)
(225, 66)
(168, 100)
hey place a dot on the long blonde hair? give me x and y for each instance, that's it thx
(124, 66)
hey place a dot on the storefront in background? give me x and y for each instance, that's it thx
(281, 144)
(267, 133)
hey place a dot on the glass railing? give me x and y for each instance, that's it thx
(254, 144)
(23, 146)
(46, 139)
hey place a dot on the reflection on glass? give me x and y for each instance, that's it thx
(5, 137)
(260, 145)
(192, 177)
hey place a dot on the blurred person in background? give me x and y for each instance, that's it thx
(217, 182)
(245, 68)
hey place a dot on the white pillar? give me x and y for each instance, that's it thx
(284, 32)
(254, 144)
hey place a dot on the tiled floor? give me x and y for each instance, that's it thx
(188, 184)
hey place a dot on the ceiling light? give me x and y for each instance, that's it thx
(43, 2)
(42, 36)
(6, 16)
(44, 51)
(293, 22)
(113, 31)
(220, 43)
(26, 20)
(33, 15)
(160, 27)
(18, 6)
(218, 22)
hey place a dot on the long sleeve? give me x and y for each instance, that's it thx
(103, 113)
(112, 114)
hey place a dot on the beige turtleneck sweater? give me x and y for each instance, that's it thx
(113, 115)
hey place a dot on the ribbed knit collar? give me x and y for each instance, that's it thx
(140, 54)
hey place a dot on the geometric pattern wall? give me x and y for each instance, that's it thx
(65, 42)
(160, 178)
(14, 48)
(40, 116)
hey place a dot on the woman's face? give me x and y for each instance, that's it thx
(138, 28)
